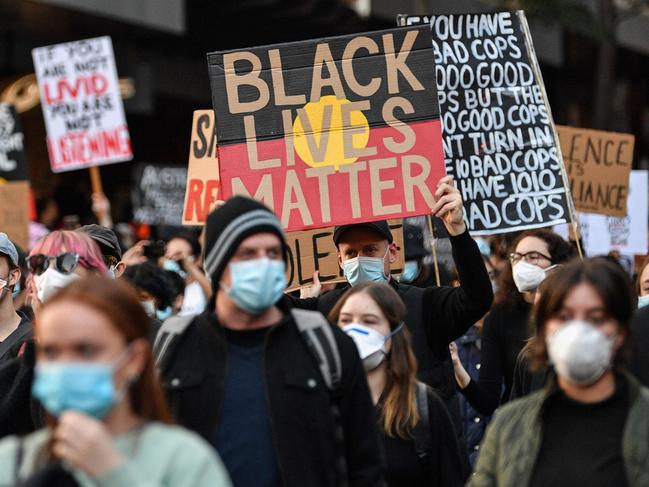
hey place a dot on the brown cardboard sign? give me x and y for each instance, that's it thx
(14, 211)
(598, 164)
(312, 250)
(203, 170)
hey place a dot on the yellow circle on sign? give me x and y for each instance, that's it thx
(325, 115)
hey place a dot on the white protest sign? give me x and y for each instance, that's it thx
(82, 107)
(628, 235)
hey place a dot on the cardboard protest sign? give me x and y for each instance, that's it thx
(313, 250)
(14, 211)
(499, 136)
(82, 107)
(157, 194)
(330, 131)
(628, 234)
(203, 170)
(13, 163)
(598, 165)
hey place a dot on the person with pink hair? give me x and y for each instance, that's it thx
(58, 259)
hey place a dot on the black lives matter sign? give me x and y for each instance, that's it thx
(499, 136)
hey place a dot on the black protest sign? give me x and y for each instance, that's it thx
(158, 194)
(499, 136)
(13, 163)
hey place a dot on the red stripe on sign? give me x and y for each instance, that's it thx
(397, 181)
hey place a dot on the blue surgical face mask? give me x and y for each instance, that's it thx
(410, 271)
(365, 269)
(257, 284)
(87, 387)
(16, 291)
(174, 266)
(163, 314)
(643, 301)
(110, 273)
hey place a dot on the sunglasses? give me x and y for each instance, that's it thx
(65, 263)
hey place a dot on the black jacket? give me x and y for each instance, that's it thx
(436, 316)
(299, 403)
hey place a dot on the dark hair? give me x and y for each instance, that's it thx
(150, 278)
(118, 302)
(644, 264)
(399, 412)
(560, 251)
(611, 283)
(191, 239)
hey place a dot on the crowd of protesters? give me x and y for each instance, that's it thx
(185, 362)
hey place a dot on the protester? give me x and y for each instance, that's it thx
(15, 326)
(60, 258)
(466, 355)
(416, 430)
(182, 255)
(506, 328)
(642, 284)
(416, 272)
(590, 424)
(153, 286)
(108, 424)
(108, 243)
(244, 375)
(435, 315)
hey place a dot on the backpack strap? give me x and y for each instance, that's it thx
(319, 337)
(16, 336)
(421, 432)
(170, 329)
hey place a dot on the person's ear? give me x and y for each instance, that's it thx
(119, 269)
(14, 276)
(340, 259)
(139, 352)
(393, 252)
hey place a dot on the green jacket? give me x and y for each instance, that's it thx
(513, 440)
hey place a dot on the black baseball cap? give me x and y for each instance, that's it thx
(105, 238)
(381, 227)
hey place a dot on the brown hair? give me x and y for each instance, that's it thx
(644, 264)
(399, 405)
(560, 251)
(119, 303)
(609, 280)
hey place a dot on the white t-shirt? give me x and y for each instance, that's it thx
(195, 300)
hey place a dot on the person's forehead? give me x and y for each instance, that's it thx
(361, 236)
(260, 241)
(531, 244)
(583, 296)
(361, 304)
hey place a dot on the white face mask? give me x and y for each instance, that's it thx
(580, 352)
(149, 307)
(50, 281)
(370, 343)
(528, 277)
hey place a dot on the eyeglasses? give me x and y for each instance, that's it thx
(65, 263)
(531, 257)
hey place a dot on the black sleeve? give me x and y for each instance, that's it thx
(522, 379)
(365, 462)
(306, 303)
(452, 311)
(484, 395)
(449, 466)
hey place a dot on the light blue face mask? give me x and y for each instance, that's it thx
(163, 314)
(16, 291)
(174, 266)
(81, 386)
(643, 301)
(365, 269)
(410, 271)
(256, 284)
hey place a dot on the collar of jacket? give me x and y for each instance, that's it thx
(283, 305)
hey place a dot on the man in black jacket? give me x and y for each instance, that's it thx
(243, 376)
(436, 316)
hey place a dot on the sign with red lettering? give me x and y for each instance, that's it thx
(203, 170)
(82, 107)
(331, 131)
